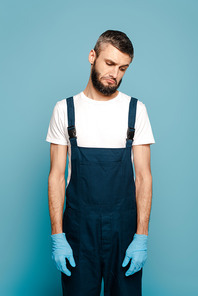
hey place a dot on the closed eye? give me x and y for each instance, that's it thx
(123, 69)
(112, 64)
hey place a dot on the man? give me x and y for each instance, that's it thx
(104, 230)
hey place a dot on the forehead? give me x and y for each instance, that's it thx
(109, 51)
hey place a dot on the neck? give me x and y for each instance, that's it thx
(93, 94)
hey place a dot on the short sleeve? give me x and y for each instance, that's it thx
(57, 132)
(143, 131)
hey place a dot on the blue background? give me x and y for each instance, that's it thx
(44, 58)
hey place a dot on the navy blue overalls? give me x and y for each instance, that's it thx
(100, 217)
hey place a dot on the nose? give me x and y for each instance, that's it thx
(114, 72)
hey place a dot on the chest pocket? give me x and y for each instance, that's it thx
(101, 182)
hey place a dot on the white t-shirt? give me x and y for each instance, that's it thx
(99, 124)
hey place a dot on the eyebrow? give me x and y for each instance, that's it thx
(116, 63)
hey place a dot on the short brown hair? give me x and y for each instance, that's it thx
(116, 38)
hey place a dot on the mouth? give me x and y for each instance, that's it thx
(110, 81)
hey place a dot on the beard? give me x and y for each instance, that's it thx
(105, 90)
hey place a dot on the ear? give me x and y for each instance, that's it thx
(92, 56)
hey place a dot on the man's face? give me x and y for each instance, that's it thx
(108, 69)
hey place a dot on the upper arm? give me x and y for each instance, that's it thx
(141, 158)
(58, 158)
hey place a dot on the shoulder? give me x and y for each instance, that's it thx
(61, 104)
(140, 105)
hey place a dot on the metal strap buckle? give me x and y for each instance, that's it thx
(130, 133)
(71, 131)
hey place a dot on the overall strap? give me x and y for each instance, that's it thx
(71, 121)
(131, 121)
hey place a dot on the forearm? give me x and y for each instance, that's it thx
(56, 197)
(143, 201)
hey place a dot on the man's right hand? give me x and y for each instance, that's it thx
(61, 250)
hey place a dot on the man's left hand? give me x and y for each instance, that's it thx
(137, 252)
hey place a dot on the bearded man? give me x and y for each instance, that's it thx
(103, 232)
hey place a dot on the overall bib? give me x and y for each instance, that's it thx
(100, 218)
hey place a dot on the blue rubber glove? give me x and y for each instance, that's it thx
(137, 251)
(60, 250)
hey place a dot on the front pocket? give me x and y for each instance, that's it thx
(101, 182)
